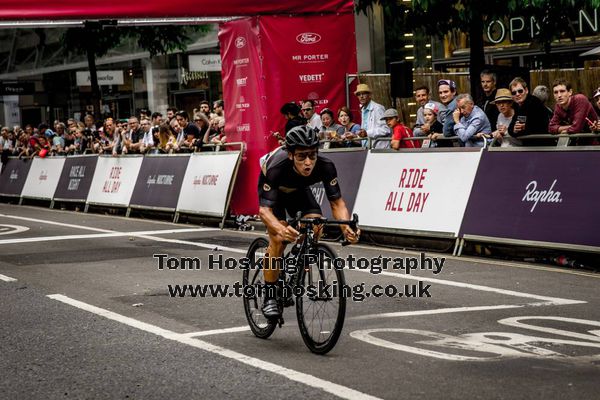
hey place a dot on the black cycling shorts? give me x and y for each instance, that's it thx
(299, 200)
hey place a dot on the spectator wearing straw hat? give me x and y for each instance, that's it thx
(371, 112)
(504, 103)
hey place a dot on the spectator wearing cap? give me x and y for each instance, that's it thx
(372, 124)
(308, 110)
(399, 131)
(470, 122)
(431, 112)
(573, 113)
(423, 97)
(530, 117)
(506, 112)
(447, 94)
(486, 101)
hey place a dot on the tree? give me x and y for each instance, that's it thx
(96, 38)
(438, 17)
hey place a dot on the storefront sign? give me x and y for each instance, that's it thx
(16, 88)
(536, 196)
(416, 191)
(76, 178)
(105, 78)
(43, 177)
(205, 62)
(159, 182)
(525, 29)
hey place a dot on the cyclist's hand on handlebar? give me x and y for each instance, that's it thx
(288, 234)
(350, 235)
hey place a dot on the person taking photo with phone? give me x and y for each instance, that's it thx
(531, 117)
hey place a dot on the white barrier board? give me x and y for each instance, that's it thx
(114, 180)
(207, 182)
(416, 191)
(43, 177)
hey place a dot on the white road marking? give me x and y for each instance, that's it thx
(217, 331)
(309, 380)
(7, 278)
(497, 344)
(546, 299)
(436, 311)
(55, 223)
(12, 229)
(138, 234)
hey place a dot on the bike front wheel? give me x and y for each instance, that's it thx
(321, 308)
(253, 278)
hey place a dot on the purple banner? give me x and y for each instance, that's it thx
(13, 176)
(349, 166)
(159, 181)
(76, 178)
(539, 196)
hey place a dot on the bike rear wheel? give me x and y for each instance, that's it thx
(253, 277)
(321, 313)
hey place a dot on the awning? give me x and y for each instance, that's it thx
(27, 10)
(591, 52)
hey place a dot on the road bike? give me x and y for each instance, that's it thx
(311, 276)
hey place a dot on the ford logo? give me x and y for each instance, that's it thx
(240, 42)
(308, 38)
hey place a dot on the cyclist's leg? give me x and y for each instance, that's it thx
(272, 264)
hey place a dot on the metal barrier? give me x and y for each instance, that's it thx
(426, 142)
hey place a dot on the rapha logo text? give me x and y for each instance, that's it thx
(535, 196)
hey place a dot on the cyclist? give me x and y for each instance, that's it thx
(284, 185)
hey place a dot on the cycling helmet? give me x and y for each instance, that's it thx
(301, 136)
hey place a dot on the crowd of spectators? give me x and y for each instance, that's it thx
(506, 116)
(503, 115)
(144, 133)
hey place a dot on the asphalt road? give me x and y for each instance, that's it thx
(86, 313)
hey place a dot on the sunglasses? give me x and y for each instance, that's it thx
(306, 109)
(303, 156)
(518, 91)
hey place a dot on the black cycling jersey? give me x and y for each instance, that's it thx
(280, 185)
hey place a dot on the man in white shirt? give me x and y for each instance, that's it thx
(372, 124)
(313, 119)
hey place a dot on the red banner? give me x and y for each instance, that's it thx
(269, 61)
(306, 58)
(123, 9)
(244, 105)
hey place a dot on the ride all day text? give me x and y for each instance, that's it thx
(414, 201)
